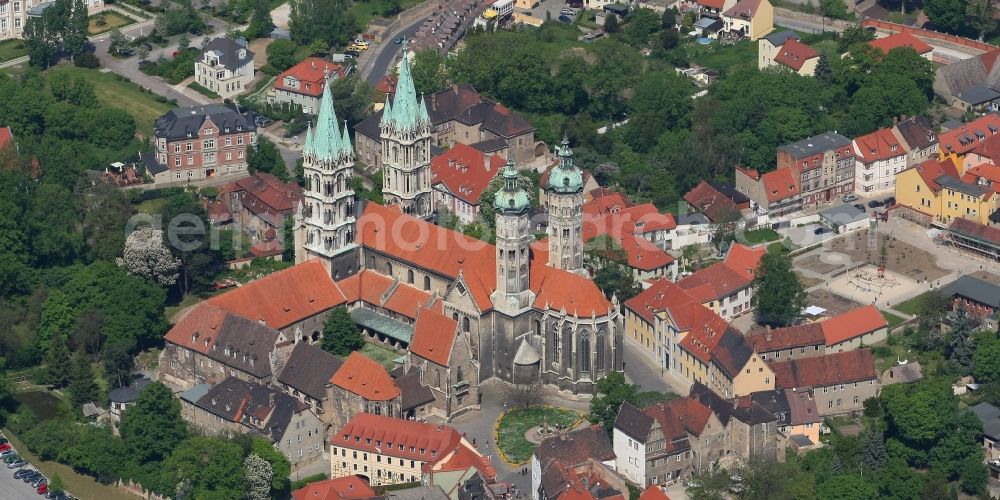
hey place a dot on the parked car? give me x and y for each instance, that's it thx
(38, 481)
(3, 440)
(21, 473)
(566, 11)
(5, 447)
(7, 452)
(17, 465)
(14, 457)
(565, 19)
(874, 204)
(821, 230)
(850, 197)
(859, 207)
(42, 489)
(30, 476)
(362, 43)
(890, 201)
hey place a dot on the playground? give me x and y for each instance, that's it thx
(869, 284)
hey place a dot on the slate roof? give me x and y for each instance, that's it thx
(779, 37)
(978, 94)
(968, 188)
(824, 371)
(815, 145)
(309, 369)
(129, 393)
(745, 410)
(989, 415)
(245, 345)
(178, 123)
(633, 422)
(413, 393)
(575, 447)
(903, 374)
(237, 401)
(154, 166)
(974, 288)
(732, 353)
(442, 107)
(228, 51)
(917, 132)
(491, 145)
(496, 118)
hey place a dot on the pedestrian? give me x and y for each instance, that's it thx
(473, 441)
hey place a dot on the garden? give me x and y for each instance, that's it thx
(105, 21)
(512, 426)
(12, 49)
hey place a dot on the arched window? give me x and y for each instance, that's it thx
(427, 282)
(388, 268)
(554, 342)
(458, 374)
(377, 408)
(566, 344)
(465, 324)
(599, 350)
(585, 353)
(538, 327)
(437, 377)
(409, 276)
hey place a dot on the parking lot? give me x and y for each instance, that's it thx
(15, 489)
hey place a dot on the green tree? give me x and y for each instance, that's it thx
(261, 24)
(961, 345)
(52, 221)
(611, 25)
(428, 71)
(874, 449)
(56, 484)
(986, 358)
(119, 43)
(200, 262)
(82, 386)
(341, 335)
(329, 21)
(153, 427)
(609, 264)
(213, 467)
(778, 294)
(281, 54)
(846, 487)
(56, 360)
(612, 391)
(258, 476)
(265, 157)
(947, 15)
(853, 35)
(281, 468)
(834, 9)
(824, 72)
(641, 26)
(288, 240)
(981, 17)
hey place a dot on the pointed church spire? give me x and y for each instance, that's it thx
(308, 147)
(407, 112)
(328, 140)
(345, 141)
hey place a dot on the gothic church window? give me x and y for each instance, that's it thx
(585, 352)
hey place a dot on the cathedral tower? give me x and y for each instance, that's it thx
(325, 221)
(511, 204)
(565, 206)
(406, 148)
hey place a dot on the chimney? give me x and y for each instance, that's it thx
(270, 399)
(767, 333)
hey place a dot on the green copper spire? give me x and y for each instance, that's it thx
(407, 112)
(328, 142)
(566, 177)
(308, 147)
(345, 141)
(511, 199)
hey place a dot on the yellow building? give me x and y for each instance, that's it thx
(749, 18)
(935, 189)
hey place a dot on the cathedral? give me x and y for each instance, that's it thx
(526, 308)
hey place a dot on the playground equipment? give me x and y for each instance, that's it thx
(865, 280)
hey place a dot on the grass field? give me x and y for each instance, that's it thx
(912, 306)
(78, 485)
(650, 398)
(892, 319)
(514, 423)
(743, 55)
(761, 235)
(123, 94)
(381, 355)
(112, 20)
(12, 49)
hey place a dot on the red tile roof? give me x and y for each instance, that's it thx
(274, 195)
(662, 294)
(366, 378)
(745, 260)
(780, 184)
(462, 457)
(823, 371)
(557, 289)
(963, 139)
(853, 324)
(881, 144)
(653, 492)
(465, 171)
(974, 229)
(708, 200)
(605, 203)
(6, 136)
(408, 439)
(199, 329)
(723, 278)
(370, 286)
(433, 336)
(714, 4)
(341, 488)
(310, 73)
(931, 170)
(901, 40)
(986, 173)
(641, 253)
(794, 54)
(706, 331)
(809, 334)
(285, 297)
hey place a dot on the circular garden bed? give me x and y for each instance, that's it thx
(514, 424)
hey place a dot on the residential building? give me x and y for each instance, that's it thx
(748, 19)
(201, 142)
(840, 382)
(775, 193)
(989, 416)
(936, 192)
(898, 40)
(880, 155)
(341, 488)
(225, 67)
(591, 480)
(752, 429)
(799, 421)
(726, 287)
(261, 203)
(959, 142)
(14, 14)
(558, 460)
(362, 385)
(783, 49)
(906, 373)
(391, 451)
(459, 177)
(123, 398)
(769, 45)
(612, 214)
(921, 141)
(302, 85)
(233, 407)
(721, 203)
(457, 115)
(847, 331)
(445, 26)
(824, 165)
(969, 83)
(977, 297)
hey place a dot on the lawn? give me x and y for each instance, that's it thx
(79, 485)
(742, 55)
(366, 11)
(761, 235)
(514, 423)
(383, 356)
(912, 306)
(893, 320)
(111, 19)
(12, 49)
(201, 89)
(650, 398)
(115, 92)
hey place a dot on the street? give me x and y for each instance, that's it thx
(386, 53)
(15, 489)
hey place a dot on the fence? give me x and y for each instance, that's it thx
(899, 28)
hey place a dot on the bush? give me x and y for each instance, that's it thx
(86, 60)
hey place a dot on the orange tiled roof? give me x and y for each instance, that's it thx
(465, 171)
(745, 260)
(986, 173)
(370, 286)
(707, 329)
(824, 371)
(6, 136)
(881, 144)
(714, 4)
(285, 297)
(557, 290)
(713, 282)
(932, 169)
(310, 73)
(641, 253)
(780, 184)
(409, 439)
(341, 488)
(808, 334)
(708, 200)
(366, 378)
(276, 195)
(605, 203)
(662, 294)
(199, 329)
(433, 336)
(794, 54)
(653, 492)
(462, 457)
(853, 324)
(901, 40)
(963, 139)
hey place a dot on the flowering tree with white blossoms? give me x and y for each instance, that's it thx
(145, 255)
(257, 472)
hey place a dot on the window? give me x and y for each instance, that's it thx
(190, 146)
(229, 141)
(177, 147)
(239, 140)
(857, 399)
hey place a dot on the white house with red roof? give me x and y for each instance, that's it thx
(302, 84)
(458, 178)
(774, 194)
(879, 156)
(897, 40)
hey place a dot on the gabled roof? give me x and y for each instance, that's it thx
(228, 51)
(311, 75)
(794, 54)
(575, 447)
(931, 170)
(382, 291)
(721, 279)
(185, 123)
(780, 184)
(853, 324)
(276, 196)
(497, 118)
(409, 439)
(654, 492)
(967, 137)
(633, 422)
(817, 144)
(801, 408)
(989, 416)
(879, 145)
(199, 329)
(465, 172)
(705, 334)
(917, 132)
(974, 288)
(985, 174)
(434, 336)
(732, 353)
(823, 371)
(778, 38)
(6, 136)
(461, 458)
(245, 345)
(897, 40)
(413, 393)
(745, 9)
(309, 369)
(707, 199)
(744, 259)
(662, 294)
(341, 488)
(789, 337)
(713, 4)
(366, 378)
(263, 409)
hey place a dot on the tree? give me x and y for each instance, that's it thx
(212, 467)
(524, 395)
(947, 15)
(986, 359)
(611, 25)
(845, 487)
(281, 468)
(341, 335)
(143, 51)
(853, 35)
(119, 43)
(265, 157)
(82, 386)
(428, 71)
(153, 427)
(258, 477)
(834, 9)
(961, 346)
(328, 21)
(609, 264)
(56, 484)
(184, 42)
(145, 255)
(641, 26)
(186, 222)
(281, 54)
(261, 24)
(56, 360)
(981, 18)
(824, 72)
(288, 240)
(874, 449)
(778, 294)
(612, 391)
